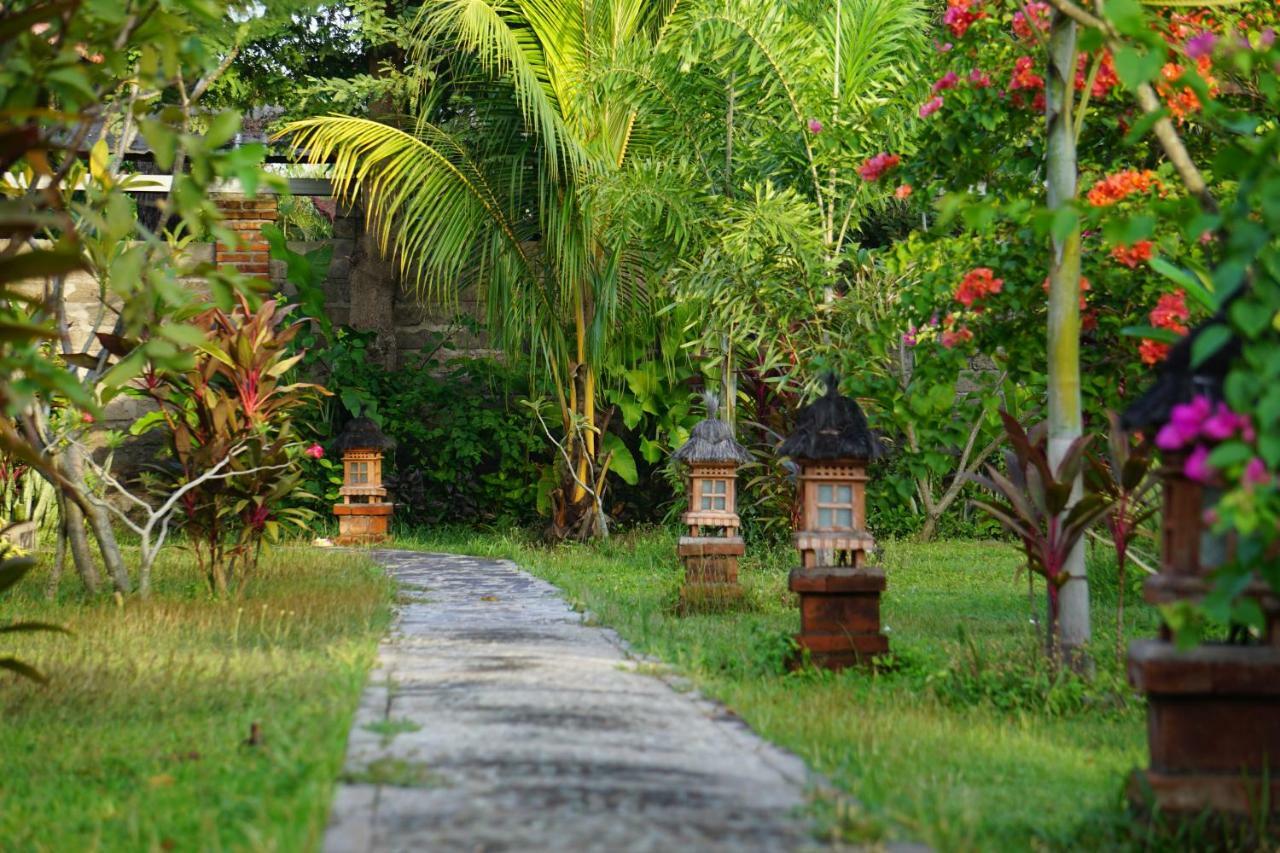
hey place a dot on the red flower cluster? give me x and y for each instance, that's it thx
(1170, 313)
(1040, 15)
(1133, 256)
(961, 14)
(1104, 82)
(946, 81)
(953, 335)
(1181, 100)
(1114, 188)
(1024, 76)
(875, 167)
(977, 285)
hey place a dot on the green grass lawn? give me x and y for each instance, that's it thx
(139, 742)
(967, 741)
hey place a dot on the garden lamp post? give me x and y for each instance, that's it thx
(712, 546)
(839, 593)
(1213, 712)
(364, 516)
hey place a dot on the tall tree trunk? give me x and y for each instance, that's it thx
(99, 523)
(78, 543)
(1065, 423)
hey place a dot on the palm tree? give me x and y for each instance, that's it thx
(483, 187)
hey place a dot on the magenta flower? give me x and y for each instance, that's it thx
(1201, 45)
(315, 451)
(1255, 473)
(941, 47)
(946, 81)
(931, 107)
(979, 78)
(815, 126)
(1184, 424)
(1267, 38)
(1224, 424)
(1197, 465)
(909, 336)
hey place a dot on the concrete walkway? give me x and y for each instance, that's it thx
(496, 720)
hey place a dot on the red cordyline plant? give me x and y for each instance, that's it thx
(234, 408)
(1038, 506)
(1125, 481)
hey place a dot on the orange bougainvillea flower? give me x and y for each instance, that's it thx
(1114, 188)
(1152, 352)
(1105, 80)
(1171, 312)
(977, 285)
(1133, 256)
(1180, 98)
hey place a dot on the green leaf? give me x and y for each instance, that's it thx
(1136, 66)
(1207, 342)
(1166, 336)
(222, 128)
(624, 464)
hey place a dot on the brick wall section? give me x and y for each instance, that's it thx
(252, 256)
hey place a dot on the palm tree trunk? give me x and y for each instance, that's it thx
(1065, 423)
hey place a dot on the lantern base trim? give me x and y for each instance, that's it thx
(363, 524)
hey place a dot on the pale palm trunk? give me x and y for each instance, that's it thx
(1065, 423)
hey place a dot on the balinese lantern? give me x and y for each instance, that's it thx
(1213, 712)
(712, 546)
(364, 516)
(839, 592)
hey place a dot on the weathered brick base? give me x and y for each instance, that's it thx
(710, 571)
(840, 614)
(363, 524)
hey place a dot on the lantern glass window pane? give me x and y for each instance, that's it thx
(824, 517)
(844, 518)
(706, 501)
(844, 494)
(718, 502)
(824, 493)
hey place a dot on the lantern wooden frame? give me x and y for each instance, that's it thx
(364, 516)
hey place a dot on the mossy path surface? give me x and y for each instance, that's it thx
(497, 719)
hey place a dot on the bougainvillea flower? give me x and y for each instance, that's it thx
(315, 451)
(942, 47)
(1255, 473)
(946, 81)
(979, 78)
(1152, 351)
(1040, 15)
(1224, 424)
(1267, 38)
(962, 14)
(1183, 427)
(1133, 256)
(875, 167)
(903, 191)
(1024, 76)
(977, 285)
(1197, 465)
(815, 126)
(909, 336)
(1201, 44)
(1104, 81)
(1171, 312)
(931, 107)
(1114, 188)
(954, 337)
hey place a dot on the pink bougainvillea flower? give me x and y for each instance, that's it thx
(931, 107)
(979, 78)
(875, 167)
(315, 451)
(961, 14)
(909, 336)
(815, 126)
(954, 337)
(1201, 44)
(946, 81)
(942, 47)
(1185, 420)
(1197, 465)
(1024, 76)
(1171, 312)
(1040, 16)
(903, 191)
(1267, 38)
(1255, 473)
(1224, 424)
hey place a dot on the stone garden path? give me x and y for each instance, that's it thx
(496, 720)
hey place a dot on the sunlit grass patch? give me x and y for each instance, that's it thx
(184, 722)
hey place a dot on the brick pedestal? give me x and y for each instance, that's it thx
(840, 614)
(710, 571)
(363, 524)
(1213, 726)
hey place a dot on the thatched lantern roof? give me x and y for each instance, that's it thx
(711, 440)
(1178, 382)
(362, 434)
(831, 427)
